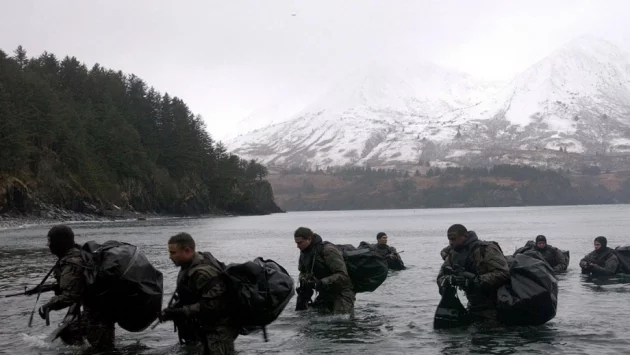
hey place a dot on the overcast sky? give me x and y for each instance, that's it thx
(227, 59)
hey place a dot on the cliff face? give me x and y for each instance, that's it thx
(19, 198)
(256, 199)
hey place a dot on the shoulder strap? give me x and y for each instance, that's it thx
(75, 260)
(209, 259)
(484, 246)
(318, 249)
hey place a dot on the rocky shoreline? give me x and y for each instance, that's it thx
(54, 215)
(49, 214)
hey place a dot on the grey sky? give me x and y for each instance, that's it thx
(227, 59)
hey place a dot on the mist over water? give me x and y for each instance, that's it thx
(592, 317)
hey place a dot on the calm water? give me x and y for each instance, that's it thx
(395, 319)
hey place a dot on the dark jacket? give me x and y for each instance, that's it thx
(603, 262)
(484, 259)
(324, 262)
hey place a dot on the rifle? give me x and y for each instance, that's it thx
(450, 312)
(30, 320)
(458, 271)
(305, 291)
(34, 290)
(304, 294)
(170, 303)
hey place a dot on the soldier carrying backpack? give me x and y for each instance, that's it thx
(214, 303)
(94, 324)
(322, 268)
(476, 266)
(601, 261)
(200, 311)
(113, 282)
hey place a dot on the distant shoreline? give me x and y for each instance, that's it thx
(17, 221)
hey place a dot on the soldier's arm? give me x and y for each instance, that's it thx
(562, 261)
(303, 273)
(497, 266)
(71, 286)
(585, 260)
(609, 268)
(212, 288)
(441, 275)
(444, 252)
(339, 273)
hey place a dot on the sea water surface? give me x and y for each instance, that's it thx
(593, 316)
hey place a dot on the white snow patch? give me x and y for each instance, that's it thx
(412, 106)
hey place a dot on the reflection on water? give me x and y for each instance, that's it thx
(617, 283)
(395, 319)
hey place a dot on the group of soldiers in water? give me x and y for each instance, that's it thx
(484, 268)
(200, 311)
(201, 302)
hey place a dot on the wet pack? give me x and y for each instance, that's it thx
(366, 268)
(122, 283)
(530, 245)
(531, 297)
(623, 254)
(257, 292)
(392, 263)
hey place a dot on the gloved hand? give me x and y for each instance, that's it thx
(458, 281)
(465, 281)
(310, 285)
(314, 285)
(43, 311)
(172, 314)
(590, 265)
(473, 283)
(319, 285)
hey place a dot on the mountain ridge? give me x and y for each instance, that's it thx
(576, 100)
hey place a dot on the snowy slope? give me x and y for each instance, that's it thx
(577, 98)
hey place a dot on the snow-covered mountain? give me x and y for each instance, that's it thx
(577, 99)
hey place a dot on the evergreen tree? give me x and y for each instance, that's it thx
(79, 134)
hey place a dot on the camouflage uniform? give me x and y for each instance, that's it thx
(325, 263)
(552, 255)
(89, 323)
(485, 260)
(604, 261)
(200, 292)
(394, 261)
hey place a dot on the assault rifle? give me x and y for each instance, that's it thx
(458, 272)
(34, 290)
(304, 294)
(170, 304)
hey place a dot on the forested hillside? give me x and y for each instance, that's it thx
(95, 139)
(351, 188)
